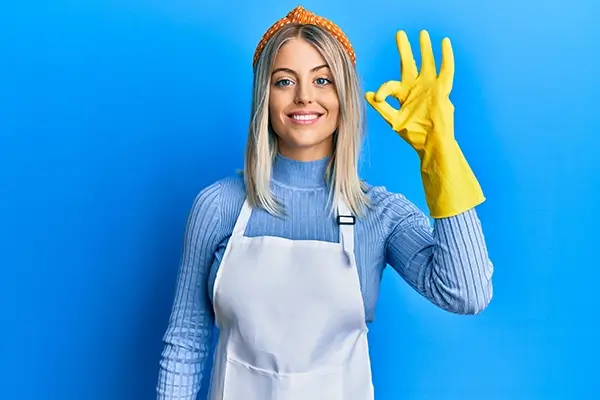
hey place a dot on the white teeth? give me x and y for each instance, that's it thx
(305, 117)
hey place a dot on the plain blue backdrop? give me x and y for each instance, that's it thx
(114, 114)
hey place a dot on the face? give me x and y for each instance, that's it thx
(303, 103)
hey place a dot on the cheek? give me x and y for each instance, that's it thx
(272, 105)
(275, 113)
(333, 105)
(277, 104)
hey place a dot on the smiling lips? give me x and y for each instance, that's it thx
(304, 117)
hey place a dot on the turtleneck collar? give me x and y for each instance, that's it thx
(304, 174)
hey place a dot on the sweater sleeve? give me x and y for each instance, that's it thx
(188, 336)
(447, 264)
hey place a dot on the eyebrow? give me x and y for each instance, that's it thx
(291, 71)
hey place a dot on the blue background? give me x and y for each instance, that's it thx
(115, 113)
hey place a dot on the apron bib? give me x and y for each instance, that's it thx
(291, 319)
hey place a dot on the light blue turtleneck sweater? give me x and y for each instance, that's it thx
(448, 263)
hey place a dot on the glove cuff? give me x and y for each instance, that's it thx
(450, 185)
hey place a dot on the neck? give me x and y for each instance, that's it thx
(309, 153)
(295, 173)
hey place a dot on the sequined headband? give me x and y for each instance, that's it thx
(301, 16)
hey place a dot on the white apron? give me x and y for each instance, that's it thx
(291, 319)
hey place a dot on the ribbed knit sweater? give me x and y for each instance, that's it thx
(448, 263)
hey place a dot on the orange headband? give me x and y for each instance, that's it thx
(301, 16)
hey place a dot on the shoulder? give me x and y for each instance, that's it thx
(393, 210)
(219, 202)
(383, 200)
(222, 194)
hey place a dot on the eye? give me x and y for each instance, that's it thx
(283, 82)
(322, 81)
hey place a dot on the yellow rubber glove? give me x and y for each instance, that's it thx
(426, 121)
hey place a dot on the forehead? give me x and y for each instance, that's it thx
(297, 53)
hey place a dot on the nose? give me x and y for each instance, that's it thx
(304, 94)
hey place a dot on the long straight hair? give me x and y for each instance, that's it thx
(342, 171)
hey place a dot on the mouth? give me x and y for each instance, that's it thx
(304, 118)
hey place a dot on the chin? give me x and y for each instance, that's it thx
(307, 139)
(306, 146)
(307, 136)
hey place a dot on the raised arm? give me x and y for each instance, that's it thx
(449, 264)
(188, 335)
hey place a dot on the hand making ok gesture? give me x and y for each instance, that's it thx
(425, 121)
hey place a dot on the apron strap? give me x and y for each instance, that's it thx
(346, 222)
(242, 221)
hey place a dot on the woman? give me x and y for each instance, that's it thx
(287, 260)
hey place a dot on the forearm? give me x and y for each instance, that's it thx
(186, 342)
(460, 275)
(448, 265)
(182, 367)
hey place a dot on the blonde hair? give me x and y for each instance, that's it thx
(342, 170)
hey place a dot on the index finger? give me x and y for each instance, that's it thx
(383, 108)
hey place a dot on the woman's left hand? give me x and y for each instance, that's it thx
(426, 113)
(425, 121)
